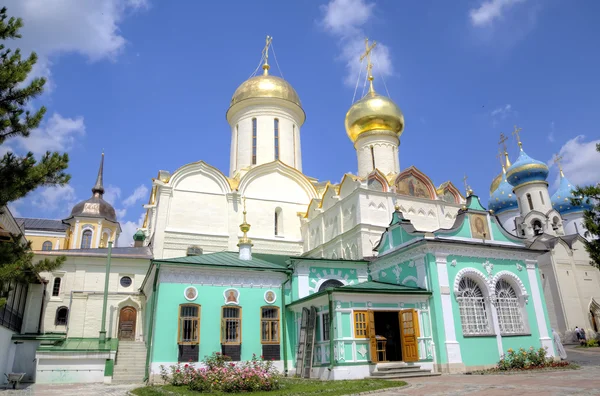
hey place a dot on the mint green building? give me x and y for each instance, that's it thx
(452, 300)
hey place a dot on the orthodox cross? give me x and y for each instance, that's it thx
(502, 141)
(367, 55)
(557, 160)
(467, 188)
(516, 133)
(266, 54)
(499, 156)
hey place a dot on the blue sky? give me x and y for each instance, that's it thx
(150, 82)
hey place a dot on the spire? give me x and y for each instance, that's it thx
(557, 160)
(367, 55)
(266, 55)
(518, 136)
(245, 243)
(98, 189)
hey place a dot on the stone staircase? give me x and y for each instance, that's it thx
(400, 370)
(130, 365)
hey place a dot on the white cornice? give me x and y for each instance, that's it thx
(225, 277)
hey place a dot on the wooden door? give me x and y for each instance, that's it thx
(127, 319)
(409, 333)
(372, 336)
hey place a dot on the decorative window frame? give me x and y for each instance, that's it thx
(84, 228)
(322, 325)
(329, 277)
(278, 321)
(195, 342)
(484, 284)
(239, 318)
(56, 316)
(366, 322)
(61, 289)
(522, 296)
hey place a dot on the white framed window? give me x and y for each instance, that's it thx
(474, 310)
(509, 309)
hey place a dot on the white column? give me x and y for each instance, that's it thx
(75, 235)
(496, 324)
(161, 220)
(99, 234)
(452, 346)
(303, 285)
(545, 339)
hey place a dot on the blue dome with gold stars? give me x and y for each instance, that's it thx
(503, 198)
(561, 200)
(525, 170)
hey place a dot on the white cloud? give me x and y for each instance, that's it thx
(127, 230)
(140, 193)
(344, 19)
(59, 199)
(489, 11)
(56, 134)
(580, 161)
(111, 194)
(55, 27)
(121, 213)
(502, 111)
(14, 208)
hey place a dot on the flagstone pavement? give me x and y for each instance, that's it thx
(585, 381)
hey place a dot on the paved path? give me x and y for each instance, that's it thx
(569, 382)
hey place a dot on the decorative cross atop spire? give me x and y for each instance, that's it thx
(245, 227)
(467, 188)
(266, 55)
(367, 55)
(499, 156)
(502, 143)
(516, 133)
(98, 189)
(557, 160)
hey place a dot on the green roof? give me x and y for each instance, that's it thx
(80, 345)
(381, 287)
(232, 260)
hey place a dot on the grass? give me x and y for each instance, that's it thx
(290, 386)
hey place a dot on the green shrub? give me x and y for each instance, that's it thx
(591, 343)
(523, 359)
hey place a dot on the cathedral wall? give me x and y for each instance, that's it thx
(552, 293)
(573, 224)
(539, 197)
(507, 219)
(37, 240)
(381, 150)
(198, 213)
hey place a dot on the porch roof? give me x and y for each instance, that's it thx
(231, 259)
(80, 345)
(371, 287)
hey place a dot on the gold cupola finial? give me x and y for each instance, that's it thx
(516, 133)
(557, 160)
(502, 143)
(244, 227)
(266, 55)
(468, 189)
(367, 55)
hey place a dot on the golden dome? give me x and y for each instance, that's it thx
(374, 113)
(496, 182)
(265, 86)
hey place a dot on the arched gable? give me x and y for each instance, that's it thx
(313, 208)
(449, 193)
(348, 184)
(413, 182)
(200, 177)
(277, 181)
(473, 274)
(328, 199)
(376, 175)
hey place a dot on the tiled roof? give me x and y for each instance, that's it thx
(231, 259)
(42, 224)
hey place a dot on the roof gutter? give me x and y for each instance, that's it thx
(284, 324)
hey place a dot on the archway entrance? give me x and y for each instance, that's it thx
(127, 321)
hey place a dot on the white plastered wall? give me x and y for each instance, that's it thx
(384, 150)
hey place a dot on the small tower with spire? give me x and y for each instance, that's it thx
(93, 222)
(245, 243)
(374, 125)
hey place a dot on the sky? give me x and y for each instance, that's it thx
(149, 83)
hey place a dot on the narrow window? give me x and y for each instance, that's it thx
(325, 327)
(360, 324)
(269, 325)
(231, 325)
(530, 201)
(373, 157)
(86, 239)
(473, 308)
(62, 316)
(542, 198)
(277, 220)
(189, 324)
(56, 287)
(276, 138)
(254, 141)
(47, 245)
(509, 309)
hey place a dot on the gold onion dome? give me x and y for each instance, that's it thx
(265, 86)
(496, 182)
(374, 113)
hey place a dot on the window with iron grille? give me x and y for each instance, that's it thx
(474, 314)
(62, 316)
(56, 287)
(11, 313)
(508, 307)
(189, 324)
(325, 327)
(231, 325)
(269, 325)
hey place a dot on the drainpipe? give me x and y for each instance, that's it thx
(283, 324)
(102, 334)
(331, 327)
(42, 307)
(150, 344)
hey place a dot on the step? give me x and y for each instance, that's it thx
(393, 365)
(425, 373)
(129, 380)
(117, 375)
(120, 369)
(399, 371)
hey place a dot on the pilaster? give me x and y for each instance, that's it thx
(540, 316)
(452, 346)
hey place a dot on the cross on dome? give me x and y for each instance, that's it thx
(367, 55)
(516, 133)
(556, 160)
(266, 55)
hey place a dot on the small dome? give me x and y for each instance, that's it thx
(525, 170)
(374, 113)
(561, 200)
(265, 86)
(94, 207)
(503, 198)
(496, 182)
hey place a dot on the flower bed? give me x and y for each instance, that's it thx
(221, 375)
(525, 360)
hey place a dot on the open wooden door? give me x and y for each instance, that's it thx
(372, 338)
(409, 332)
